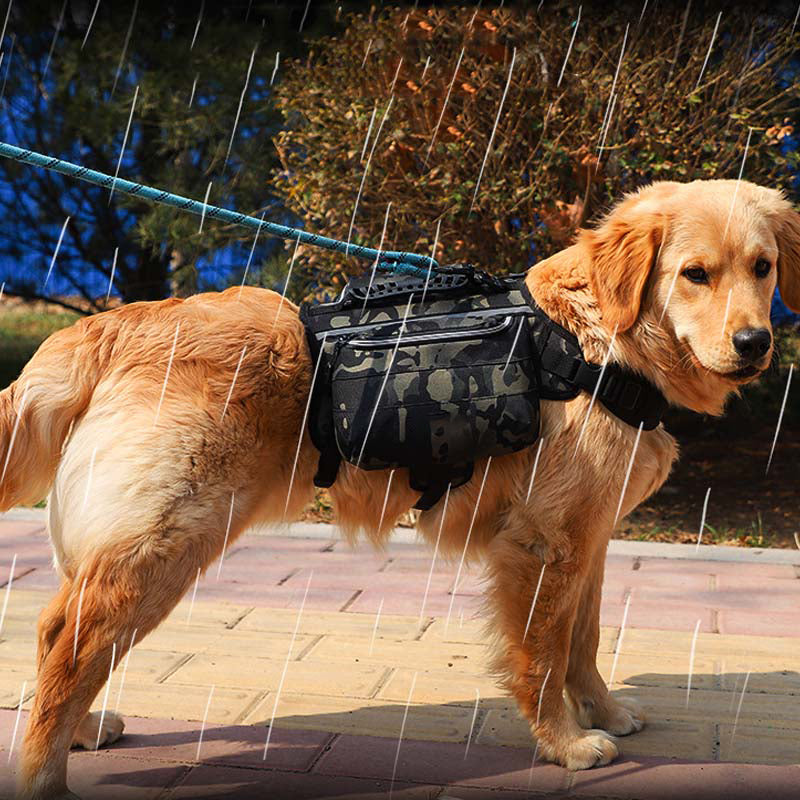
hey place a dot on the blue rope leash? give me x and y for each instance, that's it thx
(396, 261)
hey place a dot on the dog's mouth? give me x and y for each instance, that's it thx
(743, 374)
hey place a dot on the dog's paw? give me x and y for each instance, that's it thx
(624, 716)
(86, 735)
(592, 748)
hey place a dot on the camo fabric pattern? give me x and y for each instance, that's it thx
(447, 391)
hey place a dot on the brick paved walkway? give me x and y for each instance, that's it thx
(350, 672)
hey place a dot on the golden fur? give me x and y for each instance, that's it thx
(141, 484)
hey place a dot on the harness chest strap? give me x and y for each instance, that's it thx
(628, 396)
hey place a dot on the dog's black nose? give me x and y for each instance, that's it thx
(752, 344)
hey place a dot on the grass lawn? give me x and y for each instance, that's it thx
(746, 506)
(23, 327)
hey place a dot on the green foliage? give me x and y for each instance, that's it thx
(383, 99)
(22, 330)
(77, 105)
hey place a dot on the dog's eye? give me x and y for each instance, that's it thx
(762, 268)
(696, 274)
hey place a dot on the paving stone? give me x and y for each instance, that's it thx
(669, 670)
(709, 645)
(214, 615)
(487, 767)
(231, 745)
(438, 723)
(683, 566)
(330, 622)
(248, 784)
(265, 674)
(261, 645)
(758, 745)
(98, 778)
(717, 706)
(761, 623)
(461, 658)
(163, 702)
(650, 779)
(406, 603)
(439, 686)
(765, 676)
(693, 740)
(659, 616)
(42, 578)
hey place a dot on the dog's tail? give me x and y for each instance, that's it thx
(37, 411)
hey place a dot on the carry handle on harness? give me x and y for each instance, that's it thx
(396, 261)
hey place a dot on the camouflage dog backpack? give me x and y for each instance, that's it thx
(434, 374)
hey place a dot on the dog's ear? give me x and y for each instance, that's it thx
(623, 251)
(788, 236)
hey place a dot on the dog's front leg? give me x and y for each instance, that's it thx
(533, 655)
(586, 690)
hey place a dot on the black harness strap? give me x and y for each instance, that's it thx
(625, 394)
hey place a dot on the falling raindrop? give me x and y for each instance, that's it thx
(402, 731)
(375, 627)
(494, 129)
(275, 69)
(708, 54)
(703, 520)
(124, 142)
(197, 26)
(125, 46)
(194, 89)
(571, 42)
(366, 172)
(466, 544)
(303, 426)
(16, 721)
(8, 590)
(618, 648)
(205, 206)
(239, 110)
(125, 670)
(233, 383)
(105, 697)
(596, 389)
(55, 252)
(78, 623)
(203, 726)
(691, 662)
(286, 665)
(738, 181)
(628, 473)
(250, 257)
(89, 480)
(533, 604)
(227, 532)
(435, 553)
(739, 708)
(113, 270)
(88, 29)
(472, 724)
(780, 419)
(166, 376)
(444, 105)
(194, 595)
(53, 43)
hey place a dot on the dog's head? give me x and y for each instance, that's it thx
(699, 263)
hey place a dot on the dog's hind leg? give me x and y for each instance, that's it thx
(586, 690)
(124, 590)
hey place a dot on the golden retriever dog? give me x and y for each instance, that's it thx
(675, 283)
